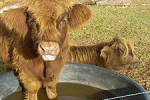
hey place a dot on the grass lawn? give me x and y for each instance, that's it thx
(133, 23)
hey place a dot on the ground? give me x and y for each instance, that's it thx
(133, 23)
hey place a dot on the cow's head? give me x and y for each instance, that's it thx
(46, 23)
(119, 55)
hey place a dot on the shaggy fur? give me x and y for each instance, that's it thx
(116, 54)
(34, 41)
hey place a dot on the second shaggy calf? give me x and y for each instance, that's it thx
(116, 54)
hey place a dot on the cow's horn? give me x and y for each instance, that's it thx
(118, 34)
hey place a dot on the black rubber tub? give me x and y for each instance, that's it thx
(83, 74)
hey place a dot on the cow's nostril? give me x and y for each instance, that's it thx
(42, 48)
(53, 50)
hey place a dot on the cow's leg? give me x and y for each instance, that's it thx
(31, 86)
(51, 89)
(31, 90)
(52, 77)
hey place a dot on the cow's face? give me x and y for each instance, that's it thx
(119, 55)
(53, 33)
(48, 29)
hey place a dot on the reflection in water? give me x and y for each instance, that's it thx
(69, 91)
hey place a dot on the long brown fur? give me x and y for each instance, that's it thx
(116, 54)
(26, 31)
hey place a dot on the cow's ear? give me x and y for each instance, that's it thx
(15, 19)
(78, 15)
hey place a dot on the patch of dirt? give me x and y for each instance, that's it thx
(141, 75)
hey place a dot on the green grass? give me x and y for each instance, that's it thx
(108, 21)
(2, 67)
(132, 22)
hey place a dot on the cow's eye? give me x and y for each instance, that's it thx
(62, 26)
(33, 26)
(30, 19)
(62, 22)
(120, 48)
(31, 22)
(61, 17)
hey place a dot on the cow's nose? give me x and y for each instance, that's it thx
(49, 49)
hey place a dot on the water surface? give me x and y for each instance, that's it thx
(69, 91)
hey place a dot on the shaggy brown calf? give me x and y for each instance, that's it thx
(116, 54)
(34, 40)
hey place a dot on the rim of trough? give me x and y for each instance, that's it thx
(130, 84)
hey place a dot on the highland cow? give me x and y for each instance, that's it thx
(116, 54)
(34, 40)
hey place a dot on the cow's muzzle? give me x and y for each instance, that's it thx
(48, 50)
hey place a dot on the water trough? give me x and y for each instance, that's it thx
(88, 75)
